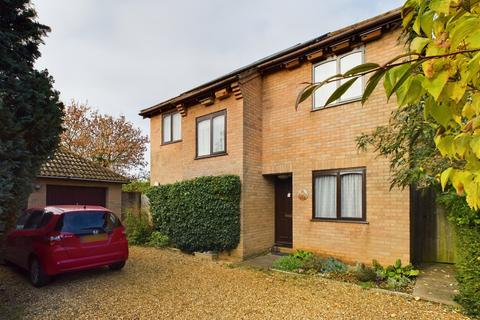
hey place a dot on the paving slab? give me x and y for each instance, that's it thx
(264, 262)
(436, 282)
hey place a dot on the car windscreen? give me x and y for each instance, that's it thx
(86, 222)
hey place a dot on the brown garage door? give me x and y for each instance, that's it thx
(57, 195)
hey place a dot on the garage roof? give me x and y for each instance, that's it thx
(67, 165)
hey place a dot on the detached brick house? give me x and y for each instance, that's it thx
(304, 183)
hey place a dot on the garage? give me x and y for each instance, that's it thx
(58, 195)
(68, 179)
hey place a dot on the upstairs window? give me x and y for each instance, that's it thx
(172, 127)
(339, 194)
(211, 134)
(331, 67)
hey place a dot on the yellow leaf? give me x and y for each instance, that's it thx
(475, 145)
(444, 177)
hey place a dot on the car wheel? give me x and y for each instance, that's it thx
(38, 277)
(117, 266)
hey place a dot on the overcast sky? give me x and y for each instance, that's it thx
(125, 55)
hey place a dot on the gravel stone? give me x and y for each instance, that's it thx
(164, 284)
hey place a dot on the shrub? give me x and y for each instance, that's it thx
(396, 276)
(288, 263)
(136, 186)
(138, 228)
(202, 214)
(334, 265)
(306, 261)
(302, 255)
(467, 225)
(314, 264)
(158, 240)
(365, 273)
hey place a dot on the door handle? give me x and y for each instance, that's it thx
(66, 236)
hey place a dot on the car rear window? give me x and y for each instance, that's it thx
(87, 222)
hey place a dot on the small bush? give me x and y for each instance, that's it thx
(334, 265)
(314, 264)
(301, 261)
(396, 276)
(158, 240)
(202, 214)
(365, 273)
(302, 255)
(138, 228)
(288, 263)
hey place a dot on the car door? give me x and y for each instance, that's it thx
(28, 235)
(13, 239)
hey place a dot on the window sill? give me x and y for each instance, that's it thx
(341, 103)
(211, 156)
(339, 221)
(171, 142)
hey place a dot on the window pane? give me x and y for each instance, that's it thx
(167, 132)
(177, 126)
(219, 133)
(85, 222)
(20, 224)
(322, 72)
(203, 138)
(326, 197)
(34, 220)
(347, 63)
(351, 195)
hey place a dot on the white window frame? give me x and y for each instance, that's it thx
(337, 59)
(171, 114)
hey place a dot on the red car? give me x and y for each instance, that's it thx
(52, 240)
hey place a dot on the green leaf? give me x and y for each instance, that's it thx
(445, 145)
(372, 84)
(361, 68)
(392, 76)
(340, 91)
(475, 145)
(307, 92)
(418, 44)
(441, 113)
(404, 76)
(435, 85)
(444, 177)
(440, 6)
(462, 30)
(426, 23)
(461, 143)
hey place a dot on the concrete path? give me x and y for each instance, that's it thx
(264, 262)
(436, 283)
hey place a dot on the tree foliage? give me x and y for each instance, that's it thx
(441, 68)
(30, 110)
(111, 142)
(407, 141)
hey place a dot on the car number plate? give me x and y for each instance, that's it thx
(94, 238)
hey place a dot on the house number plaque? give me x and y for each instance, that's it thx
(302, 194)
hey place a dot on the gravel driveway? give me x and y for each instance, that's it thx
(163, 284)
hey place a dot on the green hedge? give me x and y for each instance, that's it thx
(202, 214)
(468, 269)
(467, 223)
